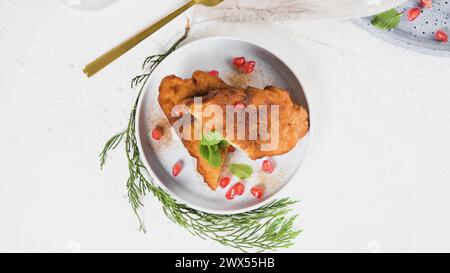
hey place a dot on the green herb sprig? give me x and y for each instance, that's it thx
(387, 20)
(242, 171)
(268, 228)
(211, 146)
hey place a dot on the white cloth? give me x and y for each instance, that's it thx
(264, 10)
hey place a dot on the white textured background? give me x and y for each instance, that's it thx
(376, 177)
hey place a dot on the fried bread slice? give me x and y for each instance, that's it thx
(293, 121)
(175, 91)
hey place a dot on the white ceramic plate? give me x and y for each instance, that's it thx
(159, 157)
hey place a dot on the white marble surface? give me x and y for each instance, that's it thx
(376, 177)
(269, 10)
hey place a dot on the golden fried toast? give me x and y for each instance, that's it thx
(175, 91)
(293, 123)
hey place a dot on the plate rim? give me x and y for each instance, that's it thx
(180, 199)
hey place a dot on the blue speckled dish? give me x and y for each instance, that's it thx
(419, 34)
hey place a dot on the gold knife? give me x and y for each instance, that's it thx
(110, 56)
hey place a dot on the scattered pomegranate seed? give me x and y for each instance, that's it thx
(238, 61)
(441, 36)
(267, 166)
(251, 63)
(257, 191)
(231, 149)
(426, 3)
(248, 67)
(157, 133)
(214, 73)
(176, 169)
(239, 106)
(413, 13)
(231, 193)
(239, 188)
(223, 183)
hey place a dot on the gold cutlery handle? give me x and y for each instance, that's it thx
(110, 56)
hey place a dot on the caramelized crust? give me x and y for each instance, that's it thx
(293, 119)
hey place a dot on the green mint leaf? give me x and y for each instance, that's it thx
(211, 138)
(204, 152)
(387, 20)
(223, 144)
(210, 147)
(243, 171)
(211, 154)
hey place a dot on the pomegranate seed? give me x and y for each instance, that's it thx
(239, 188)
(426, 3)
(157, 133)
(214, 73)
(248, 67)
(413, 13)
(238, 61)
(223, 183)
(239, 106)
(231, 193)
(267, 166)
(178, 111)
(441, 36)
(257, 191)
(251, 63)
(176, 169)
(231, 149)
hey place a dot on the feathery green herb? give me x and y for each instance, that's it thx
(110, 145)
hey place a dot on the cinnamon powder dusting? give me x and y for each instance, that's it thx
(271, 182)
(242, 80)
(239, 80)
